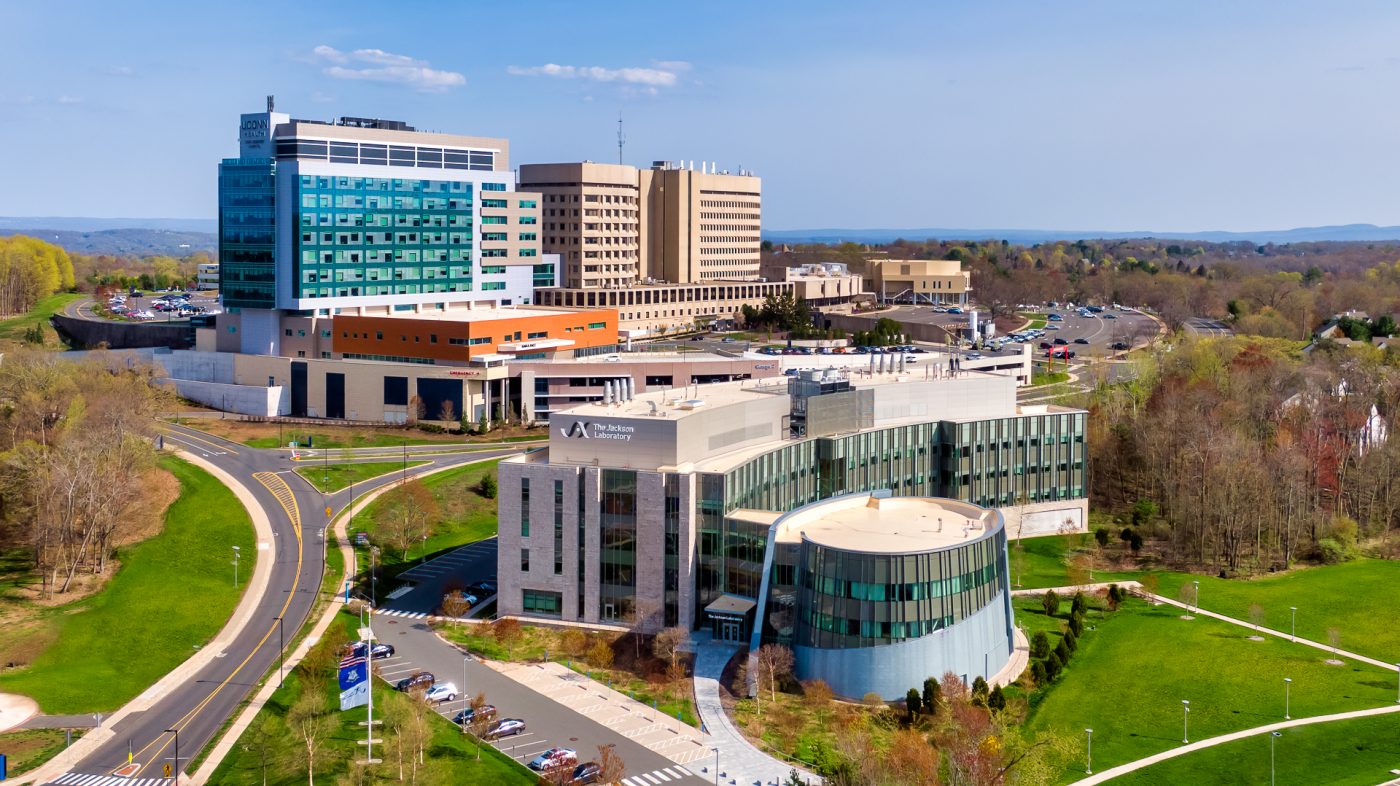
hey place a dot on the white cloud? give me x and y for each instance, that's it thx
(650, 77)
(376, 65)
(69, 100)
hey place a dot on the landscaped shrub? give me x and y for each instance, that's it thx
(1038, 672)
(1062, 652)
(996, 700)
(1076, 624)
(1078, 604)
(1071, 641)
(979, 692)
(1040, 644)
(1050, 602)
(932, 695)
(1101, 535)
(1053, 665)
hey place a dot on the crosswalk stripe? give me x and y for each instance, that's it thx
(673, 774)
(631, 782)
(651, 777)
(660, 774)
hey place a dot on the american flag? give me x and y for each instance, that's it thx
(351, 660)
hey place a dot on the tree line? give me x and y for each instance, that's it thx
(76, 438)
(1245, 454)
(31, 270)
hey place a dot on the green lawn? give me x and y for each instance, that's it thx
(1359, 752)
(334, 477)
(171, 595)
(14, 327)
(1045, 561)
(451, 755)
(28, 748)
(1358, 598)
(1049, 378)
(466, 517)
(1134, 667)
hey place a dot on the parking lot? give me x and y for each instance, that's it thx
(581, 724)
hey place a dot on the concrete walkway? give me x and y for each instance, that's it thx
(740, 762)
(1123, 769)
(15, 710)
(639, 722)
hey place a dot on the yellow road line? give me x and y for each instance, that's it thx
(213, 445)
(283, 493)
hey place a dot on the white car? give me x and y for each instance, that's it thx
(441, 692)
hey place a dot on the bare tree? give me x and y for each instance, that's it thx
(480, 721)
(775, 662)
(454, 604)
(407, 515)
(507, 632)
(669, 643)
(448, 412)
(312, 724)
(611, 768)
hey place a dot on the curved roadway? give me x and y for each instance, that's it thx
(199, 706)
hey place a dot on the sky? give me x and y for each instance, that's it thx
(1180, 115)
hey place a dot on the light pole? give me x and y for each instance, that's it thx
(1196, 595)
(1185, 719)
(280, 647)
(716, 750)
(1293, 623)
(1089, 753)
(235, 567)
(1287, 684)
(1397, 686)
(1273, 737)
(176, 732)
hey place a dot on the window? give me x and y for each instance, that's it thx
(596, 325)
(558, 527)
(289, 332)
(524, 560)
(549, 604)
(539, 334)
(493, 203)
(493, 186)
(525, 507)
(528, 203)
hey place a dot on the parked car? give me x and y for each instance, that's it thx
(1119, 345)
(440, 693)
(505, 728)
(697, 338)
(727, 340)
(1081, 341)
(418, 679)
(1055, 318)
(585, 773)
(955, 310)
(1045, 345)
(1059, 342)
(1052, 327)
(378, 651)
(483, 589)
(468, 715)
(1109, 316)
(553, 759)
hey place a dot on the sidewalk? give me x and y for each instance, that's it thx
(740, 762)
(656, 730)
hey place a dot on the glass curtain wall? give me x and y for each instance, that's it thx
(247, 233)
(618, 565)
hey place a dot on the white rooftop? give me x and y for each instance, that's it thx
(887, 525)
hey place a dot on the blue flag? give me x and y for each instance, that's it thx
(353, 671)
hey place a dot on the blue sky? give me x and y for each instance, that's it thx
(1084, 115)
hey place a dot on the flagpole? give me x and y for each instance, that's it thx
(369, 689)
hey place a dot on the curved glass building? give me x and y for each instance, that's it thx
(875, 593)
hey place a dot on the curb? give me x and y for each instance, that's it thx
(252, 596)
(244, 719)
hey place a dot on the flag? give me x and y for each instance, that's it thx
(352, 672)
(354, 682)
(358, 696)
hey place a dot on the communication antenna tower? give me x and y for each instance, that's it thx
(621, 139)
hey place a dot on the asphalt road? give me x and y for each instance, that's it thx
(1208, 327)
(199, 707)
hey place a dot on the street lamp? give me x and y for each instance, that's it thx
(176, 732)
(1196, 595)
(1089, 754)
(1397, 686)
(1287, 684)
(1185, 718)
(235, 567)
(1273, 737)
(1293, 618)
(716, 750)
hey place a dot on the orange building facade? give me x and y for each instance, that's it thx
(457, 337)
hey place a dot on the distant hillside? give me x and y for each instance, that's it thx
(122, 242)
(1345, 232)
(88, 224)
